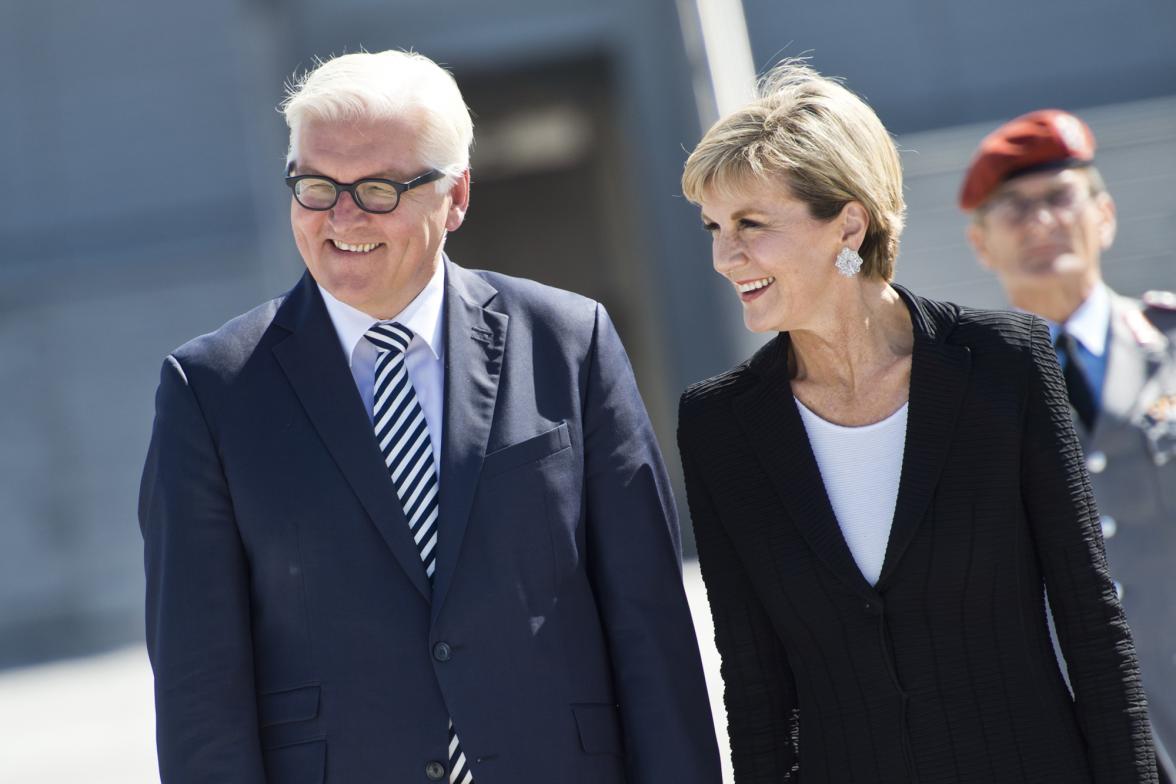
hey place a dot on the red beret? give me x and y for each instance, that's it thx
(1038, 141)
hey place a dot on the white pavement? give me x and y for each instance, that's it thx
(90, 721)
(86, 721)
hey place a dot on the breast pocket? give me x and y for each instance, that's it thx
(526, 528)
(524, 452)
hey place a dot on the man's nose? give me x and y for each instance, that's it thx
(1041, 216)
(346, 210)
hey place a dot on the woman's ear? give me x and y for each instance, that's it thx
(854, 222)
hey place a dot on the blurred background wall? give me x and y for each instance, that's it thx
(143, 202)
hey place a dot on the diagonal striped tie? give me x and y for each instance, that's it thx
(403, 435)
(459, 769)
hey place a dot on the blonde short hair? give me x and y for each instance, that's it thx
(825, 144)
(387, 85)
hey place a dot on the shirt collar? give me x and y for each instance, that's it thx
(422, 316)
(1090, 323)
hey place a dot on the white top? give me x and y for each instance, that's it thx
(424, 360)
(860, 467)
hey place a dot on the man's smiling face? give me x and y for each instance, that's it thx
(375, 263)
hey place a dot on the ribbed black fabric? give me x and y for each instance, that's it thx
(944, 671)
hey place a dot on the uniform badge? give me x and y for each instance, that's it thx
(1159, 424)
(1162, 410)
(1072, 131)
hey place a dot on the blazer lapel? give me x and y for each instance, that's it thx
(771, 423)
(939, 377)
(1128, 368)
(475, 338)
(317, 370)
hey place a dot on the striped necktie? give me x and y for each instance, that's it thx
(403, 435)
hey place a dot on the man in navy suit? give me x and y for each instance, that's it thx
(409, 521)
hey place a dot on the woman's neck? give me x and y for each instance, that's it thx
(858, 339)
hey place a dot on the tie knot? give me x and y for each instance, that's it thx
(1065, 342)
(389, 336)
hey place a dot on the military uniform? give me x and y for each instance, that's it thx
(1119, 359)
(1131, 457)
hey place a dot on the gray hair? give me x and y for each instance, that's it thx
(387, 85)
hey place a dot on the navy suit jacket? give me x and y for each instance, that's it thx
(294, 636)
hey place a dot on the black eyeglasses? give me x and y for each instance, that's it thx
(319, 193)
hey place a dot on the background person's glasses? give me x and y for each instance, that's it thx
(319, 193)
(1012, 209)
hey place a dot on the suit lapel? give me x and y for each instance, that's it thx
(1130, 371)
(1128, 367)
(771, 423)
(314, 364)
(939, 378)
(475, 338)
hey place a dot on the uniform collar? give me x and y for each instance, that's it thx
(422, 316)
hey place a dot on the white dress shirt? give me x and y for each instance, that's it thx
(424, 360)
(861, 467)
(1090, 326)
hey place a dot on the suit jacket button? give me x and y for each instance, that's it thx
(435, 771)
(1096, 462)
(442, 652)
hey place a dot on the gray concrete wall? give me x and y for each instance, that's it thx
(926, 64)
(128, 225)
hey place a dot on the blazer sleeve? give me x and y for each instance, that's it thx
(198, 620)
(758, 689)
(634, 564)
(1092, 630)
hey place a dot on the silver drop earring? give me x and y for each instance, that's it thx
(848, 263)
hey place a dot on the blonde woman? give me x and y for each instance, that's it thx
(882, 493)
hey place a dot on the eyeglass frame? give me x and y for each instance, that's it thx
(432, 175)
(1083, 194)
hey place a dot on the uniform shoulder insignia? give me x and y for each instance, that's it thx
(1159, 309)
(1160, 300)
(1144, 332)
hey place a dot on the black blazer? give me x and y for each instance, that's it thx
(943, 671)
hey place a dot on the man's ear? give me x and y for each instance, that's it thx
(978, 239)
(459, 195)
(1108, 222)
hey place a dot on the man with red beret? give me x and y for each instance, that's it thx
(1041, 218)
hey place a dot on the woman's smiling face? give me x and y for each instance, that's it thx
(777, 256)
